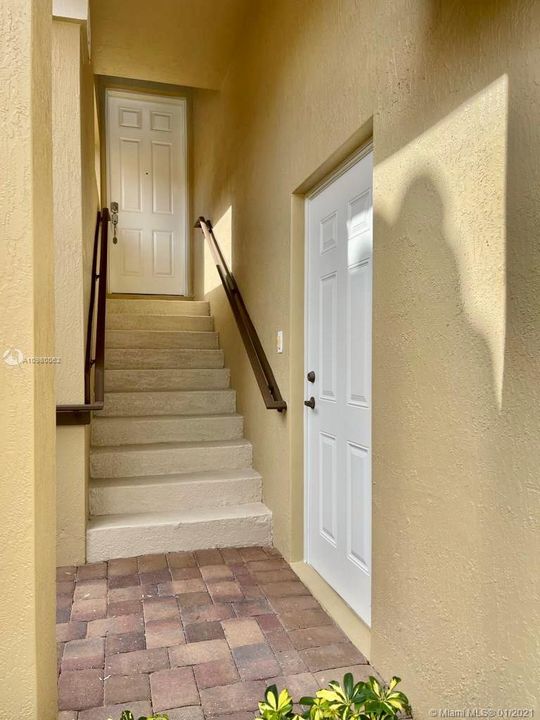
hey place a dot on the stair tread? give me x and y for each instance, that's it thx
(172, 349)
(162, 391)
(151, 315)
(157, 306)
(163, 418)
(173, 478)
(164, 358)
(145, 447)
(246, 510)
(168, 371)
(133, 339)
(149, 331)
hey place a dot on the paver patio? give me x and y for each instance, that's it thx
(197, 635)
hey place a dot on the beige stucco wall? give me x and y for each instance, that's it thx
(90, 159)
(181, 43)
(27, 416)
(75, 206)
(68, 230)
(453, 94)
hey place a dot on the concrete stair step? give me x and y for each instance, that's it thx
(125, 321)
(153, 306)
(185, 491)
(168, 402)
(161, 339)
(115, 536)
(165, 458)
(134, 358)
(170, 469)
(155, 379)
(168, 428)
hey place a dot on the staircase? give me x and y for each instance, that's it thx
(169, 466)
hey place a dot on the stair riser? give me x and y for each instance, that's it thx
(157, 307)
(143, 358)
(133, 380)
(108, 543)
(118, 499)
(135, 431)
(118, 463)
(119, 321)
(217, 402)
(161, 339)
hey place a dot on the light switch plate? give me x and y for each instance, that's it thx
(279, 341)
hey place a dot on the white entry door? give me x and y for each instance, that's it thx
(338, 428)
(146, 141)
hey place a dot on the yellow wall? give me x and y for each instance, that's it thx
(453, 94)
(75, 206)
(181, 43)
(27, 420)
(68, 231)
(90, 158)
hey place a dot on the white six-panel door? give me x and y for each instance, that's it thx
(146, 141)
(338, 429)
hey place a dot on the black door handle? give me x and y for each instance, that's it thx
(310, 403)
(311, 376)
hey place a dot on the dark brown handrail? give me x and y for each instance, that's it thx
(81, 414)
(257, 357)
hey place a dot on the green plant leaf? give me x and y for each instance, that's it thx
(276, 705)
(348, 684)
(347, 701)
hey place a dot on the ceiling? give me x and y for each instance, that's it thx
(181, 42)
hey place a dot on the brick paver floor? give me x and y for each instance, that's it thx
(196, 635)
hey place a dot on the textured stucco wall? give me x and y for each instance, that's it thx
(27, 419)
(90, 163)
(181, 43)
(453, 91)
(68, 230)
(281, 113)
(75, 205)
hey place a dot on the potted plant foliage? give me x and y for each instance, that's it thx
(346, 701)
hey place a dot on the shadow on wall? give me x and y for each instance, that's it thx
(450, 484)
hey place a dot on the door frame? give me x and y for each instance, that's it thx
(169, 100)
(364, 150)
(325, 167)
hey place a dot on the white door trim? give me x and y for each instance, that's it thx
(318, 188)
(166, 99)
(329, 179)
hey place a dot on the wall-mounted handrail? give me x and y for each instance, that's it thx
(81, 414)
(257, 357)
